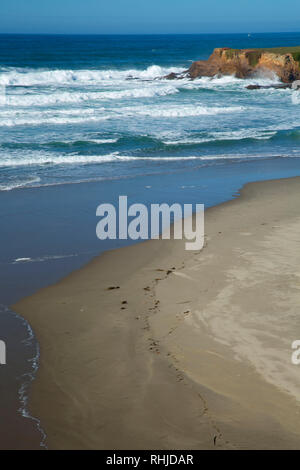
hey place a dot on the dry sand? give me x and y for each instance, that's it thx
(192, 350)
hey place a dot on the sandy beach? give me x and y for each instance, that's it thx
(155, 347)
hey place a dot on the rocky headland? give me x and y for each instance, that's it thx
(247, 63)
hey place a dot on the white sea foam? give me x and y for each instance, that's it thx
(182, 110)
(29, 375)
(19, 183)
(241, 134)
(28, 114)
(44, 119)
(40, 259)
(187, 141)
(29, 77)
(103, 141)
(22, 260)
(245, 134)
(43, 158)
(16, 113)
(296, 97)
(228, 81)
(11, 118)
(85, 97)
(51, 159)
(212, 82)
(110, 103)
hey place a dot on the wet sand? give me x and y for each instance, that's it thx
(153, 346)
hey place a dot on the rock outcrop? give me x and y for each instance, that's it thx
(244, 63)
(281, 86)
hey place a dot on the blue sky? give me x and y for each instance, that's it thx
(151, 16)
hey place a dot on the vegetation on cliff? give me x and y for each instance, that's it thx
(245, 63)
(254, 55)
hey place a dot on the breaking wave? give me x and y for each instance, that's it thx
(183, 110)
(28, 77)
(81, 97)
(45, 159)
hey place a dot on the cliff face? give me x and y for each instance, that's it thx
(243, 63)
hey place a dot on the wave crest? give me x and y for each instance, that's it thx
(29, 77)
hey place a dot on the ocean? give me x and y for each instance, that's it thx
(84, 119)
(77, 109)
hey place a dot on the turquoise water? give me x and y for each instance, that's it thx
(94, 108)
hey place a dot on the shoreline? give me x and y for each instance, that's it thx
(163, 393)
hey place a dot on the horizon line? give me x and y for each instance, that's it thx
(148, 34)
